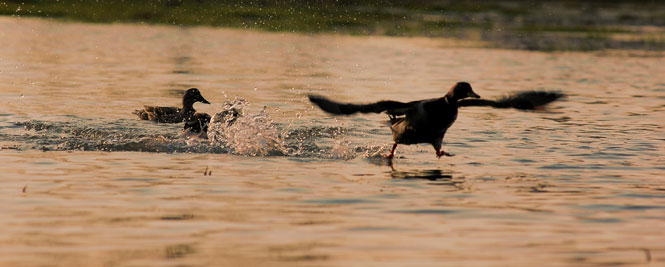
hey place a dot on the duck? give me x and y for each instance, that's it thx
(197, 123)
(173, 114)
(428, 120)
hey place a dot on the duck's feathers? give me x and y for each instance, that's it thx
(141, 113)
(173, 114)
(521, 100)
(426, 121)
(160, 114)
(198, 123)
(162, 110)
(390, 107)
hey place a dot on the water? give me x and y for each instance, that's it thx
(84, 182)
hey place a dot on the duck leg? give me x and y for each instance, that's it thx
(392, 152)
(439, 151)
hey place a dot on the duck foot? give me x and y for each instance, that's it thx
(392, 152)
(441, 153)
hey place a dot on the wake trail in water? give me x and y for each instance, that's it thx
(235, 129)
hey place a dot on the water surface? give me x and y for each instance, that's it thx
(84, 182)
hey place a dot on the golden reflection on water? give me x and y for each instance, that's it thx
(579, 183)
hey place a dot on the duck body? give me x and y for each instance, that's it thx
(164, 114)
(423, 121)
(173, 114)
(427, 121)
(197, 123)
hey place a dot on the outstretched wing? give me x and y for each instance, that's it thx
(390, 107)
(521, 100)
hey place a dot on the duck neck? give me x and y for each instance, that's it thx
(188, 106)
(450, 98)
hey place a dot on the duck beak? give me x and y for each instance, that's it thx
(472, 94)
(204, 101)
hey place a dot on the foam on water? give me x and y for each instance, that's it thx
(102, 135)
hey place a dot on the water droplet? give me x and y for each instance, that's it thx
(241, 132)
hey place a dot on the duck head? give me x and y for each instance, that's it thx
(461, 90)
(192, 96)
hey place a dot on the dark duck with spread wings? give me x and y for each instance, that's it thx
(174, 114)
(426, 121)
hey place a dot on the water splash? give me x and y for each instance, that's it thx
(102, 135)
(342, 149)
(239, 131)
(235, 129)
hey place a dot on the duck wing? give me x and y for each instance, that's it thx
(162, 110)
(391, 107)
(521, 100)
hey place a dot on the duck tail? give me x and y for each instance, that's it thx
(141, 114)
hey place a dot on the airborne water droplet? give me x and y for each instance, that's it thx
(241, 132)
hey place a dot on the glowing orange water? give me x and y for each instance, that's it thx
(579, 183)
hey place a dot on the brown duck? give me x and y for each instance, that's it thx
(173, 114)
(198, 123)
(426, 121)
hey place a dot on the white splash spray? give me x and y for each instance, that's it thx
(240, 132)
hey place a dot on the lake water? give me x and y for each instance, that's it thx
(83, 182)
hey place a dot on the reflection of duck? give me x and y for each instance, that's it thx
(432, 175)
(173, 114)
(426, 121)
